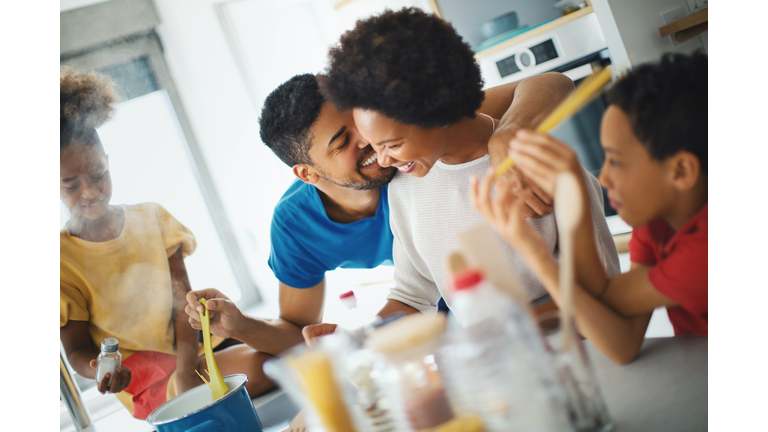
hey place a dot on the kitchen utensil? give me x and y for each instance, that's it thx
(481, 249)
(585, 404)
(193, 411)
(569, 213)
(216, 383)
(588, 90)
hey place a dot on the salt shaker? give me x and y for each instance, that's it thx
(108, 360)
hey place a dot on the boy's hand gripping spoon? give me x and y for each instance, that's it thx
(218, 386)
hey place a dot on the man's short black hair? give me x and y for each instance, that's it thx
(288, 113)
(666, 103)
(407, 65)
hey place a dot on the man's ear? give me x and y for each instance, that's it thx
(306, 173)
(686, 170)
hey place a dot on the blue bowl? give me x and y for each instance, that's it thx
(499, 25)
(194, 411)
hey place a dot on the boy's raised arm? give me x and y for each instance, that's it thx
(542, 158)
(632, 293)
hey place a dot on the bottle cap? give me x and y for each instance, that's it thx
(109, 345)
(348, 299)
(467, 279)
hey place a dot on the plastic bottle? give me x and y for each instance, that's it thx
(109, 359)
(495, 364)
(355, 322)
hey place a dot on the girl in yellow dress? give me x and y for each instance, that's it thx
(122, 271)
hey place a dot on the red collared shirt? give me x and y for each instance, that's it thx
(679, 270)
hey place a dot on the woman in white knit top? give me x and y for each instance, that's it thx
(414, 87)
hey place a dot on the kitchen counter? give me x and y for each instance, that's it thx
(664, 389)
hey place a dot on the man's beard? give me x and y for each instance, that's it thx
(367, 182)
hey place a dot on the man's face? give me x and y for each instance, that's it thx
(638, 186)
(341, 155)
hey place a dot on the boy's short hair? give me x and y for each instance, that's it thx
(407, 65)
(288, 113)
(666, 103)
(87, 101)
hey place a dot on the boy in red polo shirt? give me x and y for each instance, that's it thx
(654, 134)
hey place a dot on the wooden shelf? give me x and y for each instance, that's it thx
(535, 32)
(687, 27)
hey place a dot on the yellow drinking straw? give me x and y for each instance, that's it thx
(580, 97)
(218, 386)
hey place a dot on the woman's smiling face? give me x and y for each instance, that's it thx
(411, 149)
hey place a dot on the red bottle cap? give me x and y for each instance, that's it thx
(467, 279)
(347, 294)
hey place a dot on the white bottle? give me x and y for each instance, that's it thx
(109, 359)
(495, 363)
(355, 322)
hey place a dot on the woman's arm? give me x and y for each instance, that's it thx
(524, 104)
(79, 348)
(186, 341)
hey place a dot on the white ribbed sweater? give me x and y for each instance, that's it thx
(426, 215)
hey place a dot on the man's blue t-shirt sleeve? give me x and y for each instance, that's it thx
(305, 243)
(289, 260)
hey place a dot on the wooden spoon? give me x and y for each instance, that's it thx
(569, 212)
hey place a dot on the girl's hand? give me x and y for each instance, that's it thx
(542, 158)
(226, 318)
(119, 383)
(505, 212)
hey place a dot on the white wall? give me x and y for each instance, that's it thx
(631, 29)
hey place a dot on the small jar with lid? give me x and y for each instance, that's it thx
(108, 360)
(408, 372)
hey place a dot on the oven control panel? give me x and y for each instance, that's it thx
(533, 56)
(539, 53)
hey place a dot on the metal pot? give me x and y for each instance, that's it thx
(193, 411)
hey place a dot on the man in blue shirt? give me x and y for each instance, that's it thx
(336, 214)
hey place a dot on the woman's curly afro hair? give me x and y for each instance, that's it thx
(407, 65)
(87, 101)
